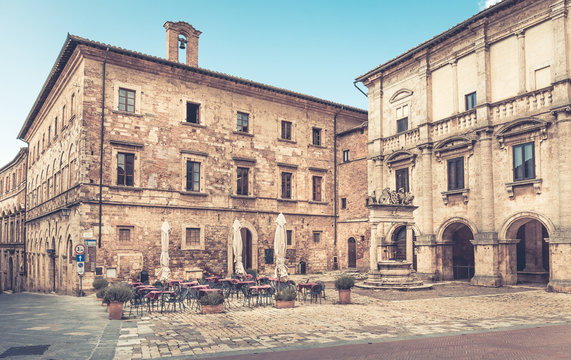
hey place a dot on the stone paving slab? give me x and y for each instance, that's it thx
(370, 318)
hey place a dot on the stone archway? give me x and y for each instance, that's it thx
(400, 247)
(457, 252)
(532, 251)
(250, 231)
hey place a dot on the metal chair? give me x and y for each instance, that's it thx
(315, 293)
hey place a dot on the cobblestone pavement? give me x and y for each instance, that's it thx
(374, 316)
(55, 327)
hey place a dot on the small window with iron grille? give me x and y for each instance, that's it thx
(316, 236)
(124, 234)
(192, 237)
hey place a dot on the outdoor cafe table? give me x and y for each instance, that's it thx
(172, 282)
(135, 284)
(212, 279)
(199, 287)
(156, 295)
(304, 287)
(189, 283)
(202, 292)
(228, 280)
(140, 289)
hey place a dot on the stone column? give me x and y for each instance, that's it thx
(521, 62)
(456, 107)
(373, 243)
(486, 242)
(508, 261)
(409, 244)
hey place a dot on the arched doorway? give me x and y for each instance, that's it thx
(246, 247)
(351, 253)
(399, 239)
(532, 250)
(461, 257)
(10, 274)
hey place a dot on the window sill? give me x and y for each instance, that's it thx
(536, 183)
(317, 146)
(122, 187)
(287, 200)
(198, 248)
(121, 112)
(463, 192)
(243, 197)
(199, 125)
(243, 133)
(193, 193)
(287, 141)
(318, 202)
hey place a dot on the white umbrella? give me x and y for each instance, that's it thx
(165, 271)
(280, 247)
(237, 248)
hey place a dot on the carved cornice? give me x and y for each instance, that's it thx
(454, 144)
(522, 126)
(400, 156)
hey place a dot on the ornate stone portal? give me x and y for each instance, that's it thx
(388, 214)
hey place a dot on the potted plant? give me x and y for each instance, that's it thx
(99, 284)
(285, 298)
(344, 284)
(211, 303)
(101, 295)
(116, 296)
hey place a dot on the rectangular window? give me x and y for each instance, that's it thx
(470, 101)
(317, 188)
(286, 130)
(71, 105)
(456, 173)
(124, 234)
(316, 236)
(192, 237)
(126, 100)
(402, 124)
(345, 155)
(63, 113)
(242, 181)
(125, 169)
(401, 176)
(343, 203)
(286, 185)
(192, 113)
(55, 128)
(316, 136)
(192, 176)
(289, 237)
(524, 161)
(242, 122)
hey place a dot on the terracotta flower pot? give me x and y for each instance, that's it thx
(115, 310)
(345, 296)
(284, 304)
(212, 309)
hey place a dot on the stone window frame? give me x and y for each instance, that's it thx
(128, 86)
(401, 98)
(292, 245)
(468, 101)
(317, 140)
(250, 130)
(250, 164)
(119, 228)
(195, 156)
(183, 245)
(346, 156)
(321, 173)
(450, 148)
(126, 147)
(291, 169)
(201, 112)
(519, 132)
(316, 235)
(281, 123)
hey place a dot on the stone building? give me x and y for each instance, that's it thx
(120, 142)
(12, 220)
(476, 123)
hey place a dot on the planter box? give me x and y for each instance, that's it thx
(284, 304)
(115, 310)
(345, 296)
(212, 309)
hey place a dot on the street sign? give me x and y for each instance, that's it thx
(79, 249)
(80, 267)
(80, 257)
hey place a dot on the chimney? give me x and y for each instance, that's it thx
(179, 34)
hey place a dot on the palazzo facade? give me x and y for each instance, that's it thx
(119, 142)
(476, 123)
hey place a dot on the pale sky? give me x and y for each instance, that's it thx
(315, 47)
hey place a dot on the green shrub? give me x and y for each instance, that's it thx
(100, 283)
(212, 298)
(101, 293)
(287, 294)
(118, 294)
(344, 282)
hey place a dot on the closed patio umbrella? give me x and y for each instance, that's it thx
(165, 271)
(237, 248)
(280, 247)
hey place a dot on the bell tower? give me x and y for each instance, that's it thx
(184, 36)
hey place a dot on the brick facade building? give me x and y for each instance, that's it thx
(179, 143)
(12, 220)
(476, 122)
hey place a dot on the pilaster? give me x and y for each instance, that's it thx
(486, 259)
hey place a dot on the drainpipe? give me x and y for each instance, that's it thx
(101, 148)
(335, 180)
(26, 216)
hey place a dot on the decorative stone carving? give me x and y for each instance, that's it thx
(390, 197)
